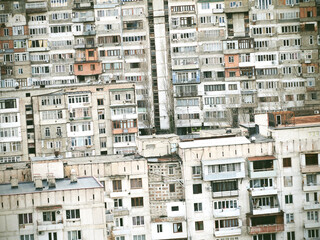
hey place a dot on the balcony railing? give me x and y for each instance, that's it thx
(260, 229)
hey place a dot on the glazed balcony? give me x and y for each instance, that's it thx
(35, 7)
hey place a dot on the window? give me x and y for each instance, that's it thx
(311, 159)
(226, 204)
(287, 181)
(80, 67)
(136, 183)
(313, 233)
(139, 220)
(117, 186)
(288, 199)
(289, 218)
(117, 97)
(53, 236)
(175, 208)
(25, 218)
(197, 188)
(226, 223)
(27, 237)
(310, 69)
(231, 59)
(74, 235)
(290, 235)
(120, 238)
(196, 171)
(220, 186)
(199, 225)
(117, 203)
(172, 187)
(49, 216)
(137, 202)
(177, 227)
(118, 222)
(286, 162)
(47, 132)
(197, 207)
(139, 237)
(92, 67)
(73, 213)
(159, 228)
(171, 170)
(6, 31)
(100, 101)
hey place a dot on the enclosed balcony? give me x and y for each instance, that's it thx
(223, 169)
(269, 223)
(226, 208)
(225, 188)
(262, 187)
(262, 167)
(34, 7)
(227, 227)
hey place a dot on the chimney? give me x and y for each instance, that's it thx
(38, 182)
(51, 181)
(73, 176)
(14, 183)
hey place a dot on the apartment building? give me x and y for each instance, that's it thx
(83, 121)
(196, 64)
(54, 209)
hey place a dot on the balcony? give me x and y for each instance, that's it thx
(83, 5)
(263, 191)
(310, 187)
(35, 7)
(89, 33)
(229, 212)
(311, 206)
(220, 171)
(52, 226)
(223, 232)
(124, 116)
(83, 19)
(274, 228)
(262, 167)
(265, 210)
(266, 223)
(310, 169)
(120, 212)
(311, 224)
(125, 130)
(231, 193)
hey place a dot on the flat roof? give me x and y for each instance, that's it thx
(158, 136)
(61, 185)
(214, 142)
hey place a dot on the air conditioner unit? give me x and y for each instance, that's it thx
(104, 70)
(58, 212)
(292, 5)
(71, 148)
(316, 112)
(98, 19)
(70, 73)
(100, 45)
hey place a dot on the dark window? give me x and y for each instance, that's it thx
(25, 218)
(174, 208)
(288, 199)
(134, 65)
(100, 101)
(266, 165)
(91, 53)
(73, 213)
(49, 216)
(225, 186)
(137, 202)
(309, 27)
(199, 225)
(197, 188)
(117, 187)
(312, 159)
(287, 162)
(172, 187)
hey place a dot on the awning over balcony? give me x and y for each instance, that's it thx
(261, 158)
